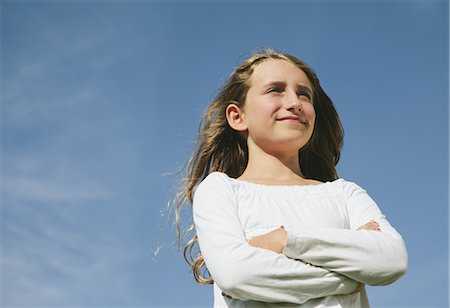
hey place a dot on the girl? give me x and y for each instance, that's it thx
(275, 225)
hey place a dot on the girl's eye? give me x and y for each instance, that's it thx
(305, 94)
(275, 90)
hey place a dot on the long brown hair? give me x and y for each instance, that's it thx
(220, 148)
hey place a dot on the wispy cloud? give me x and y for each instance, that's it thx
(57, 246)
(54, 265)
(55, 249)
(66, 234)
(56, 71)
(52, 190)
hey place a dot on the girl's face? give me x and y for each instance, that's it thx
(278, 110)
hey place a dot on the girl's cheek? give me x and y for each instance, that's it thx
(274, 106)
(311, 113)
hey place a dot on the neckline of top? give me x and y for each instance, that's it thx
(308, 186)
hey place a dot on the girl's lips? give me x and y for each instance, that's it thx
(292, 119)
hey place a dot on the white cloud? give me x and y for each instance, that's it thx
(57, 265)
(56, 76)
(57, 246)
(52, 190)
(57, 250)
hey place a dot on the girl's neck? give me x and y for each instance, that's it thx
(266, 167)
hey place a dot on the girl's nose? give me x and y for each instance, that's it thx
(293, 101)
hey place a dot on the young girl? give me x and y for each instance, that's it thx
(275, 225)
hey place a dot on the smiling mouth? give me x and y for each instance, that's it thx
(293, 119)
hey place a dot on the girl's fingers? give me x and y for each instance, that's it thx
(371, 225)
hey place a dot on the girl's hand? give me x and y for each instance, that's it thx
(371, 226)
(274, 240)
(359, 288)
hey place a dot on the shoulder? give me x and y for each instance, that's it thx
(215, 183)
(213, 179)
(357, 198)
(213, 193)
(348, 188)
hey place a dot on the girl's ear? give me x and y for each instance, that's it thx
(235, 117)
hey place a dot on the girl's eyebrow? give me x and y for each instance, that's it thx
(275, 84)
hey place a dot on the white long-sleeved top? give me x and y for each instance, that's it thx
(325, 257)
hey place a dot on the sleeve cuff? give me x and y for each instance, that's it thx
(291, 249)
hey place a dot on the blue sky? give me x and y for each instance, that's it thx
(101, 102)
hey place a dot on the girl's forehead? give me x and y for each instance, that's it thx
(278, 70)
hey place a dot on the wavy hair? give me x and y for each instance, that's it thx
(220, 148)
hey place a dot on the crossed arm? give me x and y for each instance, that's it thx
(295, 269)
(276, 241)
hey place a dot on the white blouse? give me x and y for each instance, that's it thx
(325, 257)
